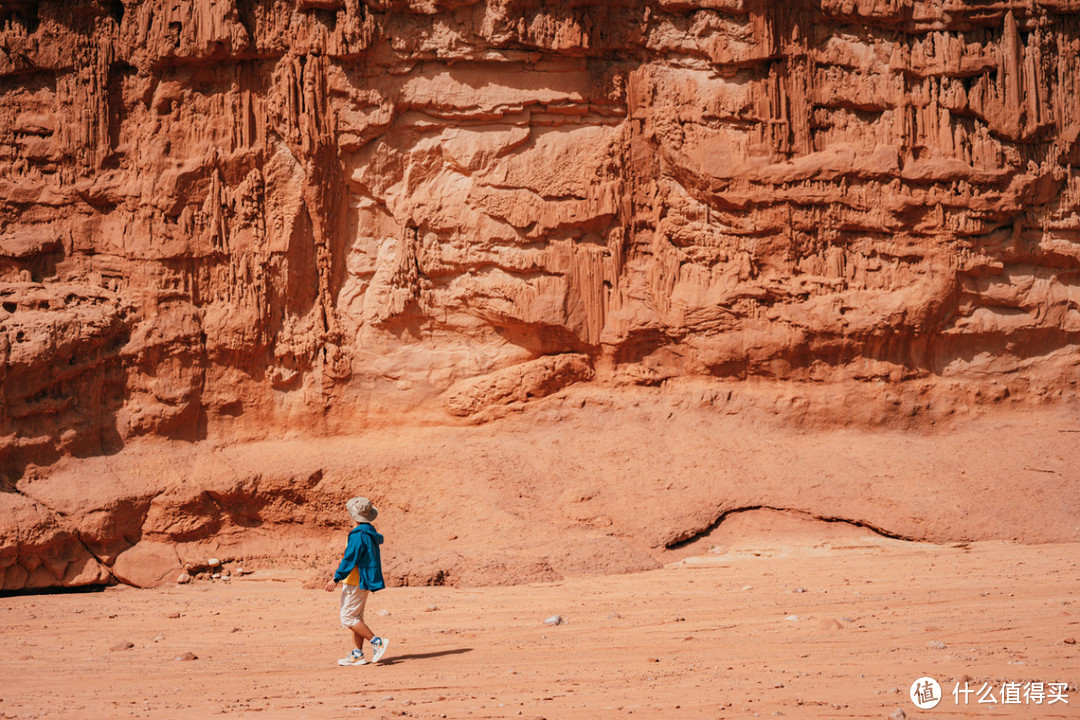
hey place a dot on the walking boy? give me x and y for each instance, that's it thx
(361, 569)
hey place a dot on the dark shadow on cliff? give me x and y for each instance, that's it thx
(545, 339)
(62, 398)
(54, 590)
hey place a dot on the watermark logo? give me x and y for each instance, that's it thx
(925, 693)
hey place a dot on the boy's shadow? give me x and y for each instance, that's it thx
(422, 656)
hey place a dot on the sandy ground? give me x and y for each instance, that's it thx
(769, 616)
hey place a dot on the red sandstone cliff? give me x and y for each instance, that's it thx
(225, 219)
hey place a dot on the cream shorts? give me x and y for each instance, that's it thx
(353, 600)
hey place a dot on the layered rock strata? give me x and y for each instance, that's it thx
(225, 219)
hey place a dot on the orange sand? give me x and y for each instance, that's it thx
(708, 636)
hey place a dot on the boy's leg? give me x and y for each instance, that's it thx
(352, 616)
(361, 632)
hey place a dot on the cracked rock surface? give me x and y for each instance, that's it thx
(235, 221)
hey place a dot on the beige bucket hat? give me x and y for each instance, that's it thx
(361, 510)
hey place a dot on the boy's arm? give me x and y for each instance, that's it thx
(348, 562)
(363, 553)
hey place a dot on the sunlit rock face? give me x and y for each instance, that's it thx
(230, 218)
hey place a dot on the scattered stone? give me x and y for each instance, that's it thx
(431, 608)
(778, 685)
(898, 714)
(383, 613)
(935, 645)
(122, 645)
(213, 562)
(799, 590)
(159, 638)
(184, 579)
(653, 660)
(386, 698)
(554, 620)
(173, 615)
(792, 618)
(747, 587)
(216, 576)
(235, 630)
(1069, 641)
(614, 616)
(185, 657)
(243, 571)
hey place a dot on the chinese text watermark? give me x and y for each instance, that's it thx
(926, 693)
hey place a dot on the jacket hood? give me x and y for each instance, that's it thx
(370, 530)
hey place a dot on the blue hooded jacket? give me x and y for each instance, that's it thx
(362, 552)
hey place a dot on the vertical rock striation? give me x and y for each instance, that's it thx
(226, 218)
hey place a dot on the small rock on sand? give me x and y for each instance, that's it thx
(554, 620)
(898, 714)
(935, 645)
(122, 645)
(184, 579)
(187, 656)
(1069, 641)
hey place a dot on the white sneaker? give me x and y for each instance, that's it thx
(378, 647)
(356, 657)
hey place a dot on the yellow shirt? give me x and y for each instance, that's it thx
(354, 577)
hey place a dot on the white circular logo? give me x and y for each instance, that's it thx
(925, 693)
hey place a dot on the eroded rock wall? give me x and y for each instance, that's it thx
(272, 210)
(233, 218)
